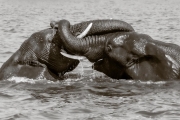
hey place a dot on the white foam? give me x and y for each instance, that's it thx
(149, 82)
(21, 80)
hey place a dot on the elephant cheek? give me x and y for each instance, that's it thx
(98, 66)
(103, 66)
(119, 55)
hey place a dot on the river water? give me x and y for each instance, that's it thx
(87, 94)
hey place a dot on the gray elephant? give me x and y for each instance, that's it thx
(39, 55)
(154, 64)
(128, 54)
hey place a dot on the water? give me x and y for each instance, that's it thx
(91, 95)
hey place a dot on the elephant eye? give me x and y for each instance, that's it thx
(77, 33)
(109, 48)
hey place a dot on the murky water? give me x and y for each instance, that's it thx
(87, 94)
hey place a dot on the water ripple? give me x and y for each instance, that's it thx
(90, 95)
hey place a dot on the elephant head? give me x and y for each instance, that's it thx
(39, 54)
(153, 64)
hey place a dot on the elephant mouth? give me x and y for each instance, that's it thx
(97, 65)
(59, 75)
(132, 62)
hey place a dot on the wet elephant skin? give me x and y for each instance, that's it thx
(39, 55)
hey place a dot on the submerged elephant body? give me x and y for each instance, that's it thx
(127, 53)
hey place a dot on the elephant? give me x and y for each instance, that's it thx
(144, 57)
(129, 54)
(39, 55)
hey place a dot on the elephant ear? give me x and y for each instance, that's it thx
(166, 60)
(153, 50)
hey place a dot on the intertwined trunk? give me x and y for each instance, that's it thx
(92, 46)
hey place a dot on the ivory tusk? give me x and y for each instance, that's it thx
(84, 33)
(73, 56)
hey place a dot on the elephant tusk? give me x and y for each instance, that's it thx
(73, 56)
(84, 33)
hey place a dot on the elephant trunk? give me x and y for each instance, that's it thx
(88, 46)
(91, 47)
(102, 27)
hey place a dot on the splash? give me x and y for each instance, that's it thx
(41, 76)
(67, 81)
(82, 68)
(22, 80)
(141, 82)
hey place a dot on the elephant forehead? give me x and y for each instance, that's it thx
(120, 39)
(49, 36)
(44, 35)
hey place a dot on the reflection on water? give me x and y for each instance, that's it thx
(87, 94)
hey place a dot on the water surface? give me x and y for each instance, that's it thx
(86, 94)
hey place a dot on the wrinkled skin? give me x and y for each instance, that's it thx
(39, 56)
(138, 56)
